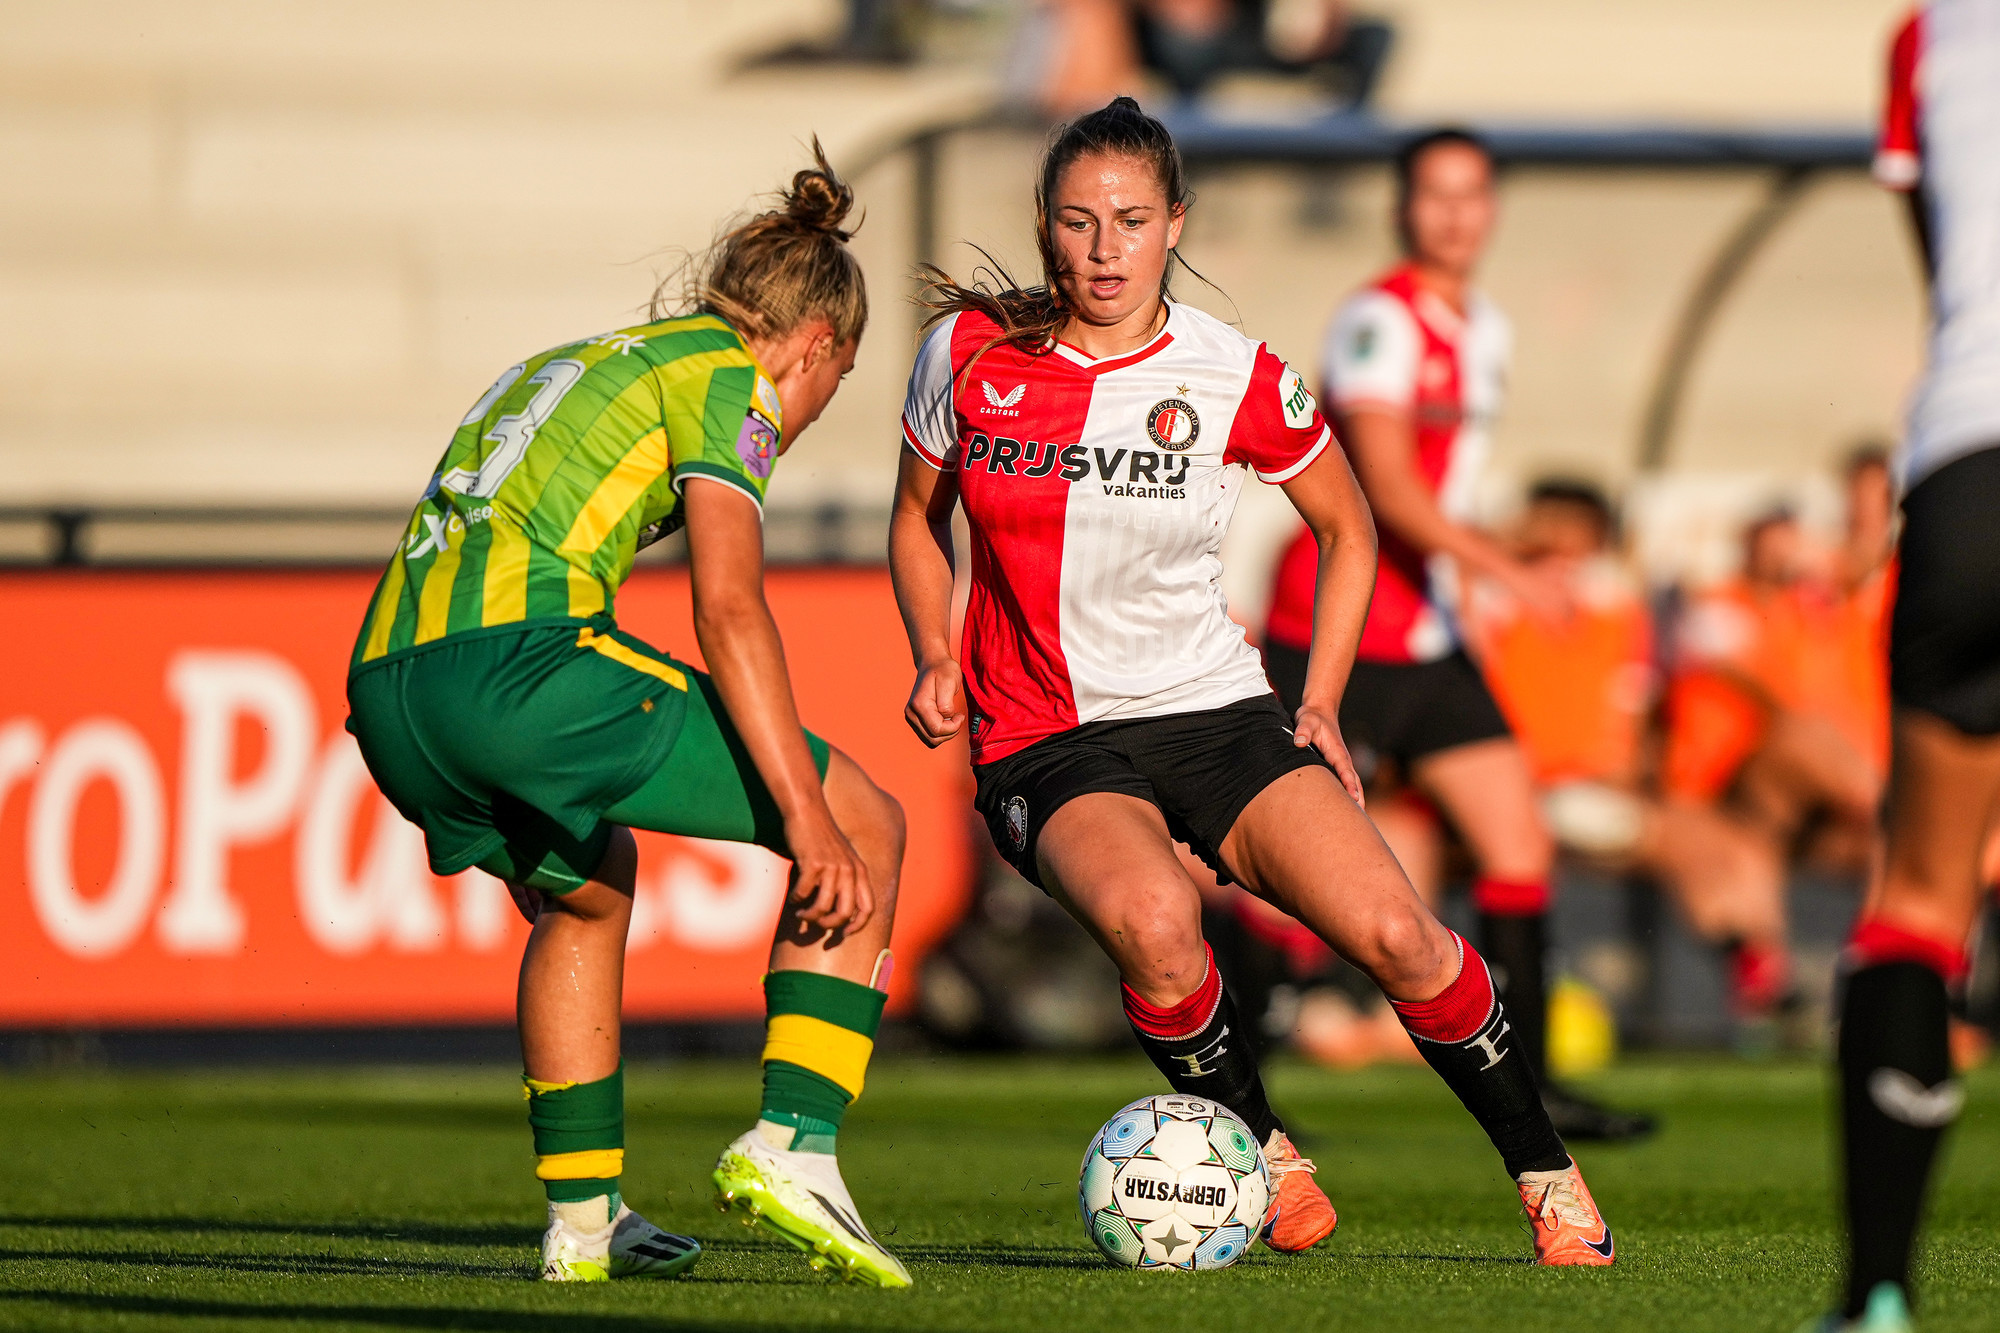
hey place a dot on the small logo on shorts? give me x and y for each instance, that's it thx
(1017, 823)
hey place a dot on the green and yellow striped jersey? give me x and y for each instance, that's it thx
(564, 470)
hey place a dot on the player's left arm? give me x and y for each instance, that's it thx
(1330, 500)
(746, 660)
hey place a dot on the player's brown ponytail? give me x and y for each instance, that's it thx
(783, 266)
(1029, 317)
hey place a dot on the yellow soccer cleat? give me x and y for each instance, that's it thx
(800, 1197)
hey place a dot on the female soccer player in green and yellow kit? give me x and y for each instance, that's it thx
(499, 707)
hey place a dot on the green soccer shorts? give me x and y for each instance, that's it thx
(517, 750)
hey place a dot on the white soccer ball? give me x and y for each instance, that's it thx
(1174, 1182)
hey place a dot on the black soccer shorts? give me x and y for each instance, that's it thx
(1944, 635)
(1201, 770)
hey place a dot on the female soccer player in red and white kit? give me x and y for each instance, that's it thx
(1414, 368)
(1097, 435)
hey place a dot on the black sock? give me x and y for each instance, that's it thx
(1486, 1069)
(1203, 1048)
(1517, 945)
(1897, 1096)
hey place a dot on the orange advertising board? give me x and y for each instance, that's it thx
(188, 835)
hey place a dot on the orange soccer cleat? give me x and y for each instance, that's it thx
(1300, 1215)
(1568, 1228)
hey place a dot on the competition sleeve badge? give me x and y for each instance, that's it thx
(757, 442)
(1172, 424)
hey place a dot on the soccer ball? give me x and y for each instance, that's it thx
(1174, 1182)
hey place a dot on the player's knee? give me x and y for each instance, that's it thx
(893, 831)
(1159, 952)
(864, 809)
(1404, 951)
(893, 823)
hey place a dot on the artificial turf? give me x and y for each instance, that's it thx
(401, 1198)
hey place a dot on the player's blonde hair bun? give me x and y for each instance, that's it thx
(820, 200)
(783, 266)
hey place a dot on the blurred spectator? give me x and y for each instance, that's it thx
(1191, 43)
(1773, 705)
(1086, 51)
(879, 30)
(1576, 689)
(1078, 54)
(1844, 671)
(1579, 693)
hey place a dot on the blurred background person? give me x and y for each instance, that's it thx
(1908, 949)
(1191, 43)
(1580, 693)
(1073, 55)
(1768, 708)
(1413, 371)
(1076, 53)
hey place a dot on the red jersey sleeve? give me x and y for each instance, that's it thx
(1278, 427)
(1899, 161)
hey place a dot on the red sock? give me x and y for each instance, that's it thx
(1184, 1019)
(1510, 897)
(1759, 973)
(1875, 941)
(1460, 1009)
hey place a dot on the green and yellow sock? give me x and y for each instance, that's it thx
(579, 1145)
(819, 1033)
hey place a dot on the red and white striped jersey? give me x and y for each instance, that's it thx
(1941, 134)
(1098, 492)
(1395, 344)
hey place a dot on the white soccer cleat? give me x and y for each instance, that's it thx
(800, 1197)
(640, 1249)
(569, 1255)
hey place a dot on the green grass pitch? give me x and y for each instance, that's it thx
(402, 1199)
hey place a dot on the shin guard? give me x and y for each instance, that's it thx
(1515, 933)
(579, 1131)
(1202, 1047)
(1464, 1034)
(819, 1036)
(1897, 1095)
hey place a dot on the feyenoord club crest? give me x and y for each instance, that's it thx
(1017, 823)
(1173, 424)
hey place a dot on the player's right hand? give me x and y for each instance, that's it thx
(829, 879)
(936, 711)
